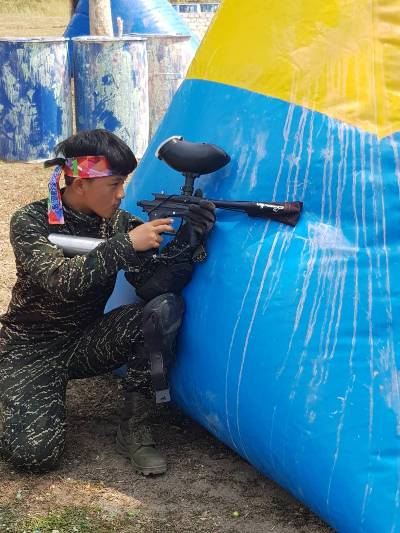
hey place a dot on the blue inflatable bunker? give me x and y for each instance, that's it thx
(139, 16)
(291, 342)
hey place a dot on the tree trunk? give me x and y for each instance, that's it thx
(100, 17)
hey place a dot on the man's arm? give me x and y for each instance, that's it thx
(64, 277)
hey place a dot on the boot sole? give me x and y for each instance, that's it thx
(145, 471)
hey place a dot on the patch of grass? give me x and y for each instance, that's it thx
(35, 6)
(8, 519)
(69, 520)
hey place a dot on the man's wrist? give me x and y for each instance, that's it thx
(132, 240)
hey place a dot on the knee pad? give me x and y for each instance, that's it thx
(162, 318)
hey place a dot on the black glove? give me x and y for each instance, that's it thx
(200, 220)
(161, 278)
(172, 270)
(169, 271)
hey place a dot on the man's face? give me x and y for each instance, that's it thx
(103, 195)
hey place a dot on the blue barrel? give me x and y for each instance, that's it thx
(35, 97)
(169, 58)
(139, 16)
(111, 87)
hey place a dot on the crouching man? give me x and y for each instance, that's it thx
(54, 329)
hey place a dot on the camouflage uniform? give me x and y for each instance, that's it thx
(54, 329)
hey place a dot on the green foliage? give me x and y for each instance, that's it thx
(20, 5)
(7, 519)
(68, 520)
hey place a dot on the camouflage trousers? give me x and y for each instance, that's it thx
(33, 382)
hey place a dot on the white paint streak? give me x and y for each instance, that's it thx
(260, 150)
(233, 337)
(294, 162)
(367, 491)
(356, 297)
(286, 131)
(248, 334)
(394, 146)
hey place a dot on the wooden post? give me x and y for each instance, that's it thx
(73, 4)
(100, 17)
(120, 26)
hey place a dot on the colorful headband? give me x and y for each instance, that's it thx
(87, 167)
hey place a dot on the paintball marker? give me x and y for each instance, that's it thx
(193, 160)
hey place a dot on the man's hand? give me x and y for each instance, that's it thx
(200, 221)
(202, 215)
(148, 235)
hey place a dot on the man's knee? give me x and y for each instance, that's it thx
(168, 309)
(162, 318)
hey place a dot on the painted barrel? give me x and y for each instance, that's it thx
(169, 58)
(111, 87)
(35, 97)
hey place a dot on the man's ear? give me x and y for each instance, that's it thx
(78, 186)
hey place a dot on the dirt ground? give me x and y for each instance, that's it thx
(208, 488)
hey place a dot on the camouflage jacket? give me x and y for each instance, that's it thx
(55, 295)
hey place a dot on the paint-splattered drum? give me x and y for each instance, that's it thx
(111, 87)
(35, 97)
(169, 57)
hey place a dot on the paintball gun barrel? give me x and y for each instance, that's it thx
(74, 245)
(195, 159)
